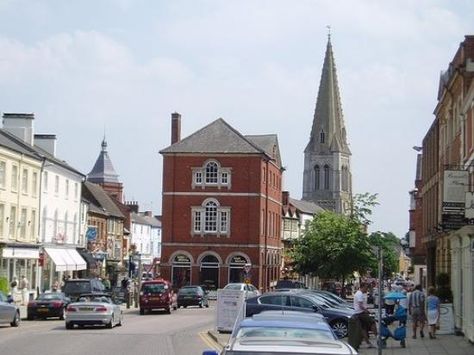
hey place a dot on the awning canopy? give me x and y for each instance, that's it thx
(66, 259)
(20, 253)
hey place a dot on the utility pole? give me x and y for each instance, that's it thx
(380, 296)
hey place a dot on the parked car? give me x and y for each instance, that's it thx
(73, 288)
(338, 318)
(285, 333)
(157, 294)
(192, 296)
(48, 305)
(9, 312)
(250, 290)
(93, 309)
(281, 284)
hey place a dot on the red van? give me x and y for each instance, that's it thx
(157, 294)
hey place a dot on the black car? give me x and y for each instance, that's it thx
(192, 296)
(73, 288)
(338, 318)
(48, 305)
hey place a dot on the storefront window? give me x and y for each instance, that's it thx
(181, 271)
(236, 268)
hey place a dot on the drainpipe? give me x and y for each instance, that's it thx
(265, 266)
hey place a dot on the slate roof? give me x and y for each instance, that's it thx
(100, 201)
(219, 137)
(151, 220)
(103, 170)
(11, 141)
(306, 206)
(269, 144)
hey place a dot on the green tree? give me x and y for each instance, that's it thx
(333, 246)
(389, 244)
(362, 205)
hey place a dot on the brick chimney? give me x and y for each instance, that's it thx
(175, 127)
(133, 205)
(285, 195)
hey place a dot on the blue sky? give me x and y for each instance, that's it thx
(126, 65)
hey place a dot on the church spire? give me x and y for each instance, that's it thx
(327, 178)
(328, 133)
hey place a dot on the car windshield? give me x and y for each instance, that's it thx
(189, 291)
(285, 332)
(49, 296)
(153, 288)
(233, 287)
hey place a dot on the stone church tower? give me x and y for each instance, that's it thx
(327, 177)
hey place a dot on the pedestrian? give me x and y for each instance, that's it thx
(24, 285)
(362, 313)
(416, 308)
(106, 282)
(432, 311)
(55, 286)
(14, 285)
(389, 303)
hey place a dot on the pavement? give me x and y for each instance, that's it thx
(442, 345)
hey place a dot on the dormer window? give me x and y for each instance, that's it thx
(322, 137)
(211, 174)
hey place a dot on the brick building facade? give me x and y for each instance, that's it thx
(221, 207)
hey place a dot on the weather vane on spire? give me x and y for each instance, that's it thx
(329, 31)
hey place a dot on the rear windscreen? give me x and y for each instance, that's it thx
(77, 287)
(153, 288)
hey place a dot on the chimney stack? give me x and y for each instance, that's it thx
(46, 142)
(175, 127)
(285, 197)
(20, 125)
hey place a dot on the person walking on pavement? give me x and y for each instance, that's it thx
(432, 311)
(24, 284)
(416, 308)
(361, 311)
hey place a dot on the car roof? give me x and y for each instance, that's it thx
(98, 294)
(283, 322)
(289, 314)
(155, 281)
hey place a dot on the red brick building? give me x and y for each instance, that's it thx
(221, 207)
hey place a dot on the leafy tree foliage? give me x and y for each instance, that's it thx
(333, 246)
(389, 243)
(362, 205)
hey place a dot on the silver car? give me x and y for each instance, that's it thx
(93, 309)
(9, 312)
(249, 289)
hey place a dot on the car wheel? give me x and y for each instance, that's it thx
(200, 304)
(63, 313)
(142, 311)
(16, 320)
(109, 325)
(175, 308)
(168, 310)
(119, 324)
(69, 325)
(207, 304)
(185, 306)
(340, 328)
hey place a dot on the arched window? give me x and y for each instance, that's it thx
(322, 136)
(317, 177)
(211, 173)
(326, 177)
(210, 224)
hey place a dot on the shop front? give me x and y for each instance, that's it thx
(60, 263)
(21, 262)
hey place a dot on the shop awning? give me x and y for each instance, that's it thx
(20, 253)
(66, 259)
